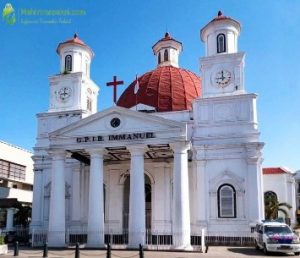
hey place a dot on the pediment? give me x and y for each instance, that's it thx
(130, 122)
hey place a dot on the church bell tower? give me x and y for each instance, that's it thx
(72, 89)
(223, 66)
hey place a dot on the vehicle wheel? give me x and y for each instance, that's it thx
(297, 253)
(256, 246)
(265, 250)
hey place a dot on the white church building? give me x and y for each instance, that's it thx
(176, 154)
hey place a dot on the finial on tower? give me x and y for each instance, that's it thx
(220, 13)
(75, 35)
(167, 35)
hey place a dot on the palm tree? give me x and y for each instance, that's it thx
(273, 206)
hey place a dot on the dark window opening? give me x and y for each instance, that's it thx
(166, 55)
(226, 201)
(221, 43)
(68, 63)
(89, 104)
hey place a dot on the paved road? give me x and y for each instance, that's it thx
(232, 252)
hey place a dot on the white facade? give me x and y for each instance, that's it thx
(281, 181)
(200, 168)
(16, 179)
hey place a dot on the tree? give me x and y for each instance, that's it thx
(273, 206)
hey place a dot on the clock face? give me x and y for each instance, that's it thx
(222, 78)
(64, 93)
(115, 122)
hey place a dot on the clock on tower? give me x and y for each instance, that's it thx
(223, 66)
(73, 89)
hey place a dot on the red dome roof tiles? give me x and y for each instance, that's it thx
(166, 88)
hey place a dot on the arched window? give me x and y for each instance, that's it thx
(270, 200)
(226, 201)
(166, 55)
(159, 58)
(68, 63)
(270, 195)
(221, 43)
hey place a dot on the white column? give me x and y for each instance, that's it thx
(181, 208)
(36, 220)
(96, 202)
(57, 220)
(136, 227)
(10, 219)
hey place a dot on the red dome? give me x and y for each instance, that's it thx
(166, 88)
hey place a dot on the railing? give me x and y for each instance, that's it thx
(18, 234)
(154, 240)
(230, 238)
(38, 237)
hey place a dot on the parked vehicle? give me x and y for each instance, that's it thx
(274, 236)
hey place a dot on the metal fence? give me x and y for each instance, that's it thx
(230, 238)
(154, 240)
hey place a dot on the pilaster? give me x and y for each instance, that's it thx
(255, 182)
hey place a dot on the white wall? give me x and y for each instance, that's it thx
(284, 186)
(19, 156)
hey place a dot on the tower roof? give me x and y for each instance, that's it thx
(167, 37)
(220, 18)
(166, 88)
(74, 41)
(164, 40)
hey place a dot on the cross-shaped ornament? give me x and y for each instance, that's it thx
(115, 83)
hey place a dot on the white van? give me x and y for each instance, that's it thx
(276, 237)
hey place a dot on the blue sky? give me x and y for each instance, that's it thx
(122, 32)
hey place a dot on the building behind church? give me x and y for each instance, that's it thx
(16, 180)
(176, 155)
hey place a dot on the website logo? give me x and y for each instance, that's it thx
(8, 14)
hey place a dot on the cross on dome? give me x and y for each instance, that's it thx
(115, 83)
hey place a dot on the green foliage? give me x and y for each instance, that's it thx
(272, 207)
(2, 240)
